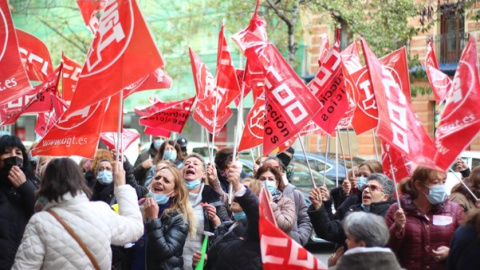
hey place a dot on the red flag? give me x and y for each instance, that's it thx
(122, 39)
(227, 87)
(254, 80)
(440, 82)
(75, 133)
(111, 139)
(350, 64)
(204, 112)
(159, 79)
(278, 250)
(13, 78)
(157, 106)
(157, 132)
(71, 71)
(35, 56)
(324, 48)
(112, 109)
(36, 100)
(253, 130)
(402, 167)
(460, 120)
(365, 116)
(46, 120)
(89, 10)
(172, 118)
(329, 87)
(398, 125)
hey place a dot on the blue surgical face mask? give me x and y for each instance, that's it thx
(193, 184)
(105, 177)
(170, 155)
(157, 143)
(361, 182)
(239, 215)
(271, 186)
(437, 194)
(160, 198)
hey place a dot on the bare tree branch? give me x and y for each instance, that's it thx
(78, 46)
(279, 13)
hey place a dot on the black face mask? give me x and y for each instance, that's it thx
(284, 158)
(8, 163)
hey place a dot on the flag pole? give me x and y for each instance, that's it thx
(387, 149)
(327, 148)
(375, 144)
(308, 163)
(214, 120)
(119, 131)
(336, 159)
(464, 185)
(341, 149)
(230, 188)
(349, 147)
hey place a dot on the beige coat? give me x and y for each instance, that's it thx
(284, 212)
(463, 201)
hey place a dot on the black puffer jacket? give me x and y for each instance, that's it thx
(238, 248)
(211, 197)
(105, 192)
(332, 230)
(16, 208)
(165, 240)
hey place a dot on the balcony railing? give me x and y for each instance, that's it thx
(449, 47)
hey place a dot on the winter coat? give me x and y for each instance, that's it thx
(16, 208)
(367, 258)
(464, 249)
(237, 248)
(166, 237)
(104, 193)
(422, 233)
(332, 230)
(47, 245)
(284, 212)
(463, 201)
(140, 172)
(302, 229)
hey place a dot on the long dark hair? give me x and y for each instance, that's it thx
(62, 175)
(7, 141)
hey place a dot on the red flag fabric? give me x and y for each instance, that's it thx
(289, 104)
(157, 132)
(71, 71)
(253, 130)
(460, 120)
(350, 64)
(89, 10)
(112, 109)
(35, 56)
(13, 77)
(157, 106)
(204, 112)
(111, 139)
(365, 116)
(172, 118)
(75, 133)
(329, 87)
(36, 100)
(278, 250)
(398, 125)
(46, 120)
(324, 48)
(401, 166)
(440, 82)
(227, 87)
(159, 79)
(121, 40)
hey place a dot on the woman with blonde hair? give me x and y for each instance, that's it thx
(169, 219)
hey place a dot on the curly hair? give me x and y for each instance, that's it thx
(278, 176)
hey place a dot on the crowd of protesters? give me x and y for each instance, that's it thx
(106, 213)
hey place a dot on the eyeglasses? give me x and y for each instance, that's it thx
(373, 188)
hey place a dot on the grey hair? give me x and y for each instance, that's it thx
(386, 184)
(367, 227)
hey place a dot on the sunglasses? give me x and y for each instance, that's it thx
(373, 188)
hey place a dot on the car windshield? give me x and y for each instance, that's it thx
(302, 180)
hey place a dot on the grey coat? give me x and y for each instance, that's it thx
(302, 229)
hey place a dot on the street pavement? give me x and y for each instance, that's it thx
(321, 251)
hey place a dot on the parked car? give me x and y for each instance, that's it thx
(322, 166)
(344, 159)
